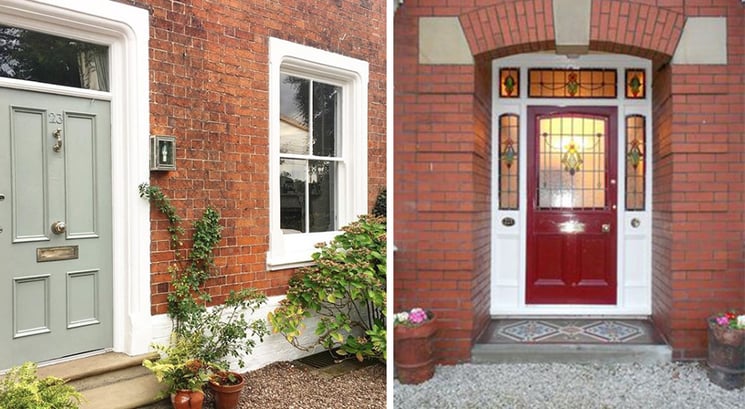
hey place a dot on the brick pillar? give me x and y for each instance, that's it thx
(698, 211)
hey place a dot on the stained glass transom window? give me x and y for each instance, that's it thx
(580, 83)
(509, 83)
(635, 162)
(508, 162)
(572, 163)
(635, 84)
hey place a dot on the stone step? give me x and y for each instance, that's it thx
(111, 380)
(570, 353)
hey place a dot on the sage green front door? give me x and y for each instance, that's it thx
(55, 226)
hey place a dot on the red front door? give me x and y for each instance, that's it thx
(571, 248)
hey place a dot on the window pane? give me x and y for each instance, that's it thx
(580, 83)
(325, 112)
(294, 105)
(635, 160)
(508, 162)
(635, 84)
(292, 178)
(571, 163)
(33, 56)
(322, 195)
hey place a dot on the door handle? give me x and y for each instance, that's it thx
(58, 227)
(605, 228)
(58, 140)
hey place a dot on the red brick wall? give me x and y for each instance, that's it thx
(208, 88)
(698, 117)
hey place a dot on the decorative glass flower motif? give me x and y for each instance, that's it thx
(635, 155)
(635, 85)
(572, 84)
(509, 154)
(571, 159)
(509, 84)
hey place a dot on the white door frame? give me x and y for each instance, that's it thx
(125, 29)
(508, 243)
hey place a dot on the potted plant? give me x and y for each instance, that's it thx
(201, 334)
(183, 375)
(726, 350)
(223, 332)
(21, 388)
(412, 336)
(227, 387)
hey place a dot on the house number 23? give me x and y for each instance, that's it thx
(54, 118)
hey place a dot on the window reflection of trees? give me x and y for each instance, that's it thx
(33, 56)
(319, 176)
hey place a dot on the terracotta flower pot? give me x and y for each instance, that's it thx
(228, 396)
(726, 356)
(184, 399)
(412, 353)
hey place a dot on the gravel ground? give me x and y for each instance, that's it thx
(283, 385)
(571, 386)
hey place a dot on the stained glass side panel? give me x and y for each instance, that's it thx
(509, 83)
(508, 161)
(572, 162)
(635, 84)
(635, 162)
(580, 83)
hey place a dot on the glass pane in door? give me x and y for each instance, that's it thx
(572, 164)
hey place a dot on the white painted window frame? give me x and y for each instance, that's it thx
(125, 30)
(294, 250)
(508, 244)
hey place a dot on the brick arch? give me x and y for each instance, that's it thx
(616, 26)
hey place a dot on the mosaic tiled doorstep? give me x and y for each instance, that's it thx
(582, 331)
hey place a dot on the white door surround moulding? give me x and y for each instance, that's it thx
(508, 242)
(125, 29)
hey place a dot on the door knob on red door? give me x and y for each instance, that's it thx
(605, 228)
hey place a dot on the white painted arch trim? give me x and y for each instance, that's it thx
(508, 244)
(125, 29)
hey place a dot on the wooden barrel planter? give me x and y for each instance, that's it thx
(412, 353)
(726, 356)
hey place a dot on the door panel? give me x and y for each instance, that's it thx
(571, 240)
(55, 286)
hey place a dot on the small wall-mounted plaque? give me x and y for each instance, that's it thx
(508, 221)
(162, 152)
(56, 253)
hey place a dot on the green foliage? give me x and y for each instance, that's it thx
(203, 338)
(198, 351)
(345, 289)
(192, 269)
(224, 330)
(22, 389)
(380, 208)
(178, 368)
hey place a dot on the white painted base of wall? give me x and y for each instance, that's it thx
(274, 348)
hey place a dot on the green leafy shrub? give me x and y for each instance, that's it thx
(203, 338)
(191, 269)
(21, 388)
(345, 289)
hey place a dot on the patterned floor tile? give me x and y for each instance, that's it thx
(582, 331)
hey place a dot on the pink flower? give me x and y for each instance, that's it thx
(723, 320)
(417, 316)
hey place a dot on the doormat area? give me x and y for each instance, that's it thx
(571, 331)
(327, 366)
